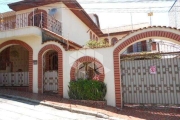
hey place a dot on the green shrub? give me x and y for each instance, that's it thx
(87, 90)
(97, 44)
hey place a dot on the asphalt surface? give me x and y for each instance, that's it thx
(14, 109)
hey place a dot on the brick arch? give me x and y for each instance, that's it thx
(86, 59)
(38, 11)
(138, 35)
(30, 50)
(60, 68)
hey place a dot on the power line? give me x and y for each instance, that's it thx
(102, 1)
(123, 9)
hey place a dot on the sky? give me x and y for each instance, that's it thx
(116, 13)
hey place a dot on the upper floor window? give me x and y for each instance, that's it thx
(114, 41)
(106, 40)
(96, 38)
(137, 47)
(38, 18)
(90, 34)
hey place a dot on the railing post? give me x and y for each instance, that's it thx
(33, 16)
(41, 21)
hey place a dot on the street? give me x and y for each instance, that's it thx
(13, 109)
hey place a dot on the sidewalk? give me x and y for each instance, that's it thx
(128, 113)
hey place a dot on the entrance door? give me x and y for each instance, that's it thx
(50, 81)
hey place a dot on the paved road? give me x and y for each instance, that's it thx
(13, 109)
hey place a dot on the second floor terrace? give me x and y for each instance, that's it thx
(39, 18)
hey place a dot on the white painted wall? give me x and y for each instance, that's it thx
(105, 56)
(73, 28)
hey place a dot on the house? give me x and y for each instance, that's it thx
(41, 48)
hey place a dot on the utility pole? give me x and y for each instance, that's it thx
(131, 22)
(150, 14)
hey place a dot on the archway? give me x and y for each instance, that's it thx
(28, 69)
(38, 18)
(93, 65)
(55, 58)
(139, 35)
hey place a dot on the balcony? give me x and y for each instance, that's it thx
(37, 18)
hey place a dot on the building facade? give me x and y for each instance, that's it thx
(41, 48)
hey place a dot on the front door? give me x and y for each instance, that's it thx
(50, 81)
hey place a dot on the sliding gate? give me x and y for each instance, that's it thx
(151, 81)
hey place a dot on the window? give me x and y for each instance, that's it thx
(114, 41)
(90, 34)
(88, 70)
(106, 40)
(94, 37)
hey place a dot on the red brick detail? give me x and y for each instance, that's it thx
(60, 68)
(117, 50)
(30, 50)
(86, 59)
(37, 21)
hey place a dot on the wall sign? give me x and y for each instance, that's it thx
(35, 62)
(152, 70)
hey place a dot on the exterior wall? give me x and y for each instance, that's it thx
(105, 56)
(73, 28)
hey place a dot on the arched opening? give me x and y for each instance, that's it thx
(15, 73)
(114, 40)
(50, 72)
(106, 40)
(14, 67)
(87, 68)
(50, 67)
(152, 79)
(38, 18)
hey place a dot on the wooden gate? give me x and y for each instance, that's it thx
(153, 81)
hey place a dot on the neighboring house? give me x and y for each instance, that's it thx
(113, 35)
(41, 48)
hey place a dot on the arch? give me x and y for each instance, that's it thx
(90, 34)
(38, 12)
(86, 59)
(60, 67)
(114, 40)
(139, 35)
(30, 50)
(106, 40)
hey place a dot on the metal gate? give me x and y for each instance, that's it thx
(51, 81)
(155, 81)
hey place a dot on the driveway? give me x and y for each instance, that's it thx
(13, 109)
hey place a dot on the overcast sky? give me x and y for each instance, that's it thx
(114, 14)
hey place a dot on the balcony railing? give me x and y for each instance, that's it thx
(40, 20)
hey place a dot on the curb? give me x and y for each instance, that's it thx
(75, 110)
